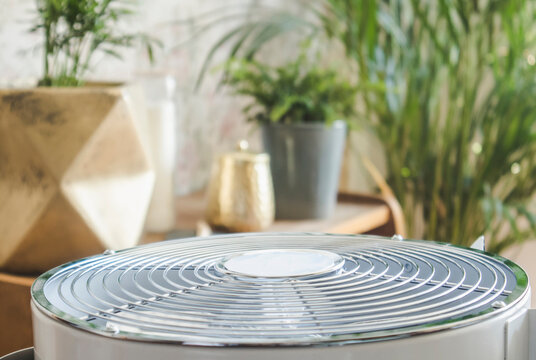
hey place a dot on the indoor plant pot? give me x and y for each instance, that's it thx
(298, 107)
(454, 113)
(75, 176)
(305, 163)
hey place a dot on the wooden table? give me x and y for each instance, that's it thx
(353, 214)
(15, 315)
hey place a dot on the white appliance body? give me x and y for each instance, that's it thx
(506, 337)
(506, 332)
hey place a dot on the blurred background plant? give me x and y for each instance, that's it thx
(448, 87)
(297, 92)
(75, 30)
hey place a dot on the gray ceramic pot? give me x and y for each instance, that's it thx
(305, 163)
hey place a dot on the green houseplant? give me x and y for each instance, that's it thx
(447, 87)
(75, 173)
(299, 107)
(75, 31)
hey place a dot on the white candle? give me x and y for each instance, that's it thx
(162, 134)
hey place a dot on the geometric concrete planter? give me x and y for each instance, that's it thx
(75, 176)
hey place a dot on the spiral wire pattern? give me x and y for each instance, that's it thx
(179, 291)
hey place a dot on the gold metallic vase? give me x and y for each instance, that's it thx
(240, 195)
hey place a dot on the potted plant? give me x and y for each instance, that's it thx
(75, 177)
(450, 100)
(303, 111)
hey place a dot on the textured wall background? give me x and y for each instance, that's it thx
(209, 121)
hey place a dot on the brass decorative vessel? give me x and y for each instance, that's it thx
(241, 195)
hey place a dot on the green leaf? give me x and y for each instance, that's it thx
(74, 30)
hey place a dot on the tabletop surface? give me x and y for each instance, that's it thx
(354, 214)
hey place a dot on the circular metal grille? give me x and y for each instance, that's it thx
(181, 291)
